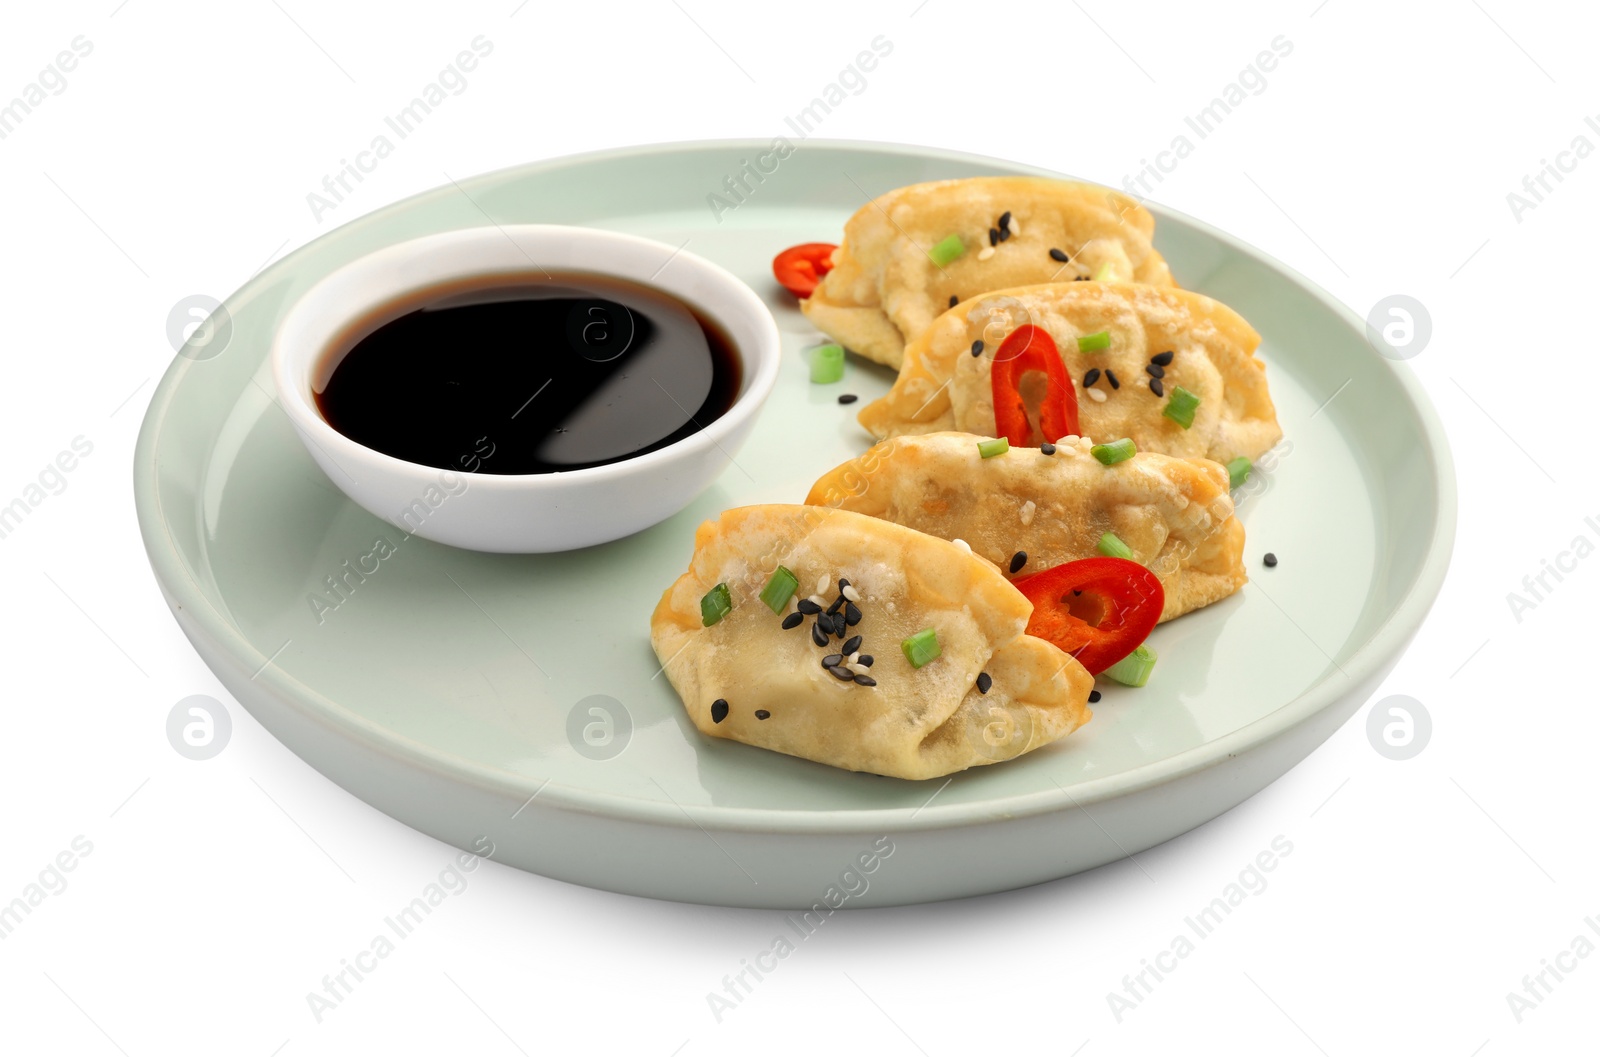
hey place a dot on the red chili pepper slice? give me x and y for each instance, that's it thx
(1097, 609)
(800, 268)
(1030, 348)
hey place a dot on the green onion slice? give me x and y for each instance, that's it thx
(1135, 668)
(827, 364)
(1180, 406)
(1097, 342)
(715, 604)
(779, 589)
(993, 446)
(1112, 547)
(1238, 471)
(921, 647)
(946, 250)
(1115, 452)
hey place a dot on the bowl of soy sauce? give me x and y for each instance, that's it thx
(527, 388)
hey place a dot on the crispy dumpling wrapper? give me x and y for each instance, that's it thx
(916, 722)
(884, 291)
(942, 386)
(1175, 515)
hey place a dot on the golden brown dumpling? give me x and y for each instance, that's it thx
(1192, 341)
(1175, 515)
(884, 290)
(748, 678)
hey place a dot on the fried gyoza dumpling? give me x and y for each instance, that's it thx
(1175, 515)
(748, 677)
(884, 290)
(1160, 339)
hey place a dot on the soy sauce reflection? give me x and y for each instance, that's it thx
(554, 374)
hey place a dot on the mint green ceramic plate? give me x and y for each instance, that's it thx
(517, 698)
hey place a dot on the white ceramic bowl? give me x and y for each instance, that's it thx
(520, 512)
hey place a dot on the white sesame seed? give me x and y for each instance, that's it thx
(823, 585)
(853, 658)
(1098, 396)
(859, 669)
(985, 253)
(852, 594)
(819, 601)
(1016, 229)
(1028, 509)
(963, 544)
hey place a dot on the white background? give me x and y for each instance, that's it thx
(1377, 160)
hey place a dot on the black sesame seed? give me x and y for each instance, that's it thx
(954, 300)
(1270, 559)
(994, 236)
(1092, 377)
(832, 660)
(808, 607)
(1018, 560)
(1094, 695)
(852, 614)
(1005, 233)
(1005, 220)
(866, 680)
(719, 710)
(838, 604)
(839, 671)
(984, 682)
(977, 348)
(843, 583)
(762, 713)
(793, 620)
(865, 660)
(1047, 448)
(847, 398)
(1155, 387)
(1161, 359)
(1080, 278)
(819, 636)
(1112, 378)
(1155, 370)
(851, 645)
(1058, 255)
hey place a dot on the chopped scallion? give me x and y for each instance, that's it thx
(993, 446)
(1238, 471)
(1097, 342)
(779, 589)
(1180, 406)
(715, 604)
(921, 647)
(827, 364)
(1135, 668)
(1112, 547)
(946, 250)
(1115, 452)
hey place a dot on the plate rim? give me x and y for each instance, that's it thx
(1384, 645)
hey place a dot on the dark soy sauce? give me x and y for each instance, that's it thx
(532, 375)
